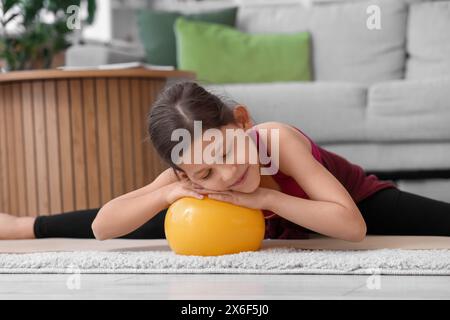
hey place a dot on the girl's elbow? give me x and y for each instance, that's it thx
(98, 228)
(98, 231)
(359, 234)
(357, 238)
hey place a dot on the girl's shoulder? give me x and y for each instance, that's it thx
(265, 138)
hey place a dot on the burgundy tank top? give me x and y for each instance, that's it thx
(351, 176)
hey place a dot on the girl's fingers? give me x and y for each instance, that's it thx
(207, 191)
(197, 195)
(215, 196)
(219, 196)
(192, 193)
(197, 186)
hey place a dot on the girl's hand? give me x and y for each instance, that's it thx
(259, 199)
(179, 189)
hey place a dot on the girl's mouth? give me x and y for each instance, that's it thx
(241, 179)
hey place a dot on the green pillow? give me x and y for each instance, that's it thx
(222, 54)
(157, 34)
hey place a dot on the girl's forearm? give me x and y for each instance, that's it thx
(119, 217)
(328, 218)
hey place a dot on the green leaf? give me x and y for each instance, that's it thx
(31, 10)
(13, 16)
(92, 8)
(40, 41)
(8, 4)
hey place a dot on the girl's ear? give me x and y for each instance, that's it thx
(183, 176)
(242, 116)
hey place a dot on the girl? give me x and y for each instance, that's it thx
(314, 190)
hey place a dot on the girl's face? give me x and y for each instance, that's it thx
(243, 176)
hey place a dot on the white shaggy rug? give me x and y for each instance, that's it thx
(284, 260)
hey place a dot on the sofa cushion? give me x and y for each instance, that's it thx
(428, 40)
(382, 156)
(157, 34)
(409, 110)
(221, 54)
(328, 112)
(273, 18)
(343, 48)
(346, 49)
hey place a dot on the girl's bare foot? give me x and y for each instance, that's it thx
(12, 227)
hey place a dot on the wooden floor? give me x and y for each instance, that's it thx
(221, 286)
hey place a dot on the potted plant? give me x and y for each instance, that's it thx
(41, 30)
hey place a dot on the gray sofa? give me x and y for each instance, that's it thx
(380, 98)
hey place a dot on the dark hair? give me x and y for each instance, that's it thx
(177, 106)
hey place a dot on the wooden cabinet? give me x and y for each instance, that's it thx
(72, 140)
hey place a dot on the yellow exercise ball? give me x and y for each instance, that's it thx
(209, 227)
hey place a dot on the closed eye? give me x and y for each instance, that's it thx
(226, 155)
(206, 177)
(209, 171)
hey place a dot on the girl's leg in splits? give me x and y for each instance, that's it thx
(392, 211)
(387, 212)
(77, 224)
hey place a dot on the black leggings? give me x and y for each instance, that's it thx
(388, 211)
